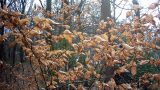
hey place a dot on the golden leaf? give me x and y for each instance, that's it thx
(37, 20)
(47, 26)
(36, 30)
(99, 38)
(105, 36)
(113, 37)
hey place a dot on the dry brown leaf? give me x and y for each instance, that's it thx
(79, 65)
(67, 27)
(80, 87)
(128, 14)
(87, 74)
(113, 37)
(24, 21)
(15, 14)
(111, 84)
(102, 25)
(133, 68)
(68, 36)
(142, 62)
(37, 20)
(126, 86)
(99, 39)
(157, 78)
(126, 46)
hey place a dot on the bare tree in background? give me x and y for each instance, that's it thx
(137, 12)
(105, 9)
(48, 5)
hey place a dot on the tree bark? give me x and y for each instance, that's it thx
(48, 7)
(137, 12)
(105, 9)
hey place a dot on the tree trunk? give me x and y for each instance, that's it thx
(48, 7)
(105, 9)
(2, 2)
(137, 12)
(105, 13)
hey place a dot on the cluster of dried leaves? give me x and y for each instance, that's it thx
(121, 47)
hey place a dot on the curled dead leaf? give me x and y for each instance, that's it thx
(126, 46)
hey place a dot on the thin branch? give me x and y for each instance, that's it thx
(11, 3)
(121, 11)
(120, 7)
(39, 62)
(120, 2)
(30, 8)
(41, 4)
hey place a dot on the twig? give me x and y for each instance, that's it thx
(31, 47)
(120, 7)
(121, 11)
(41, 4)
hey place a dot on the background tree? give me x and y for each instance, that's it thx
(105, 9)
(137, 11)
(48, 5)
